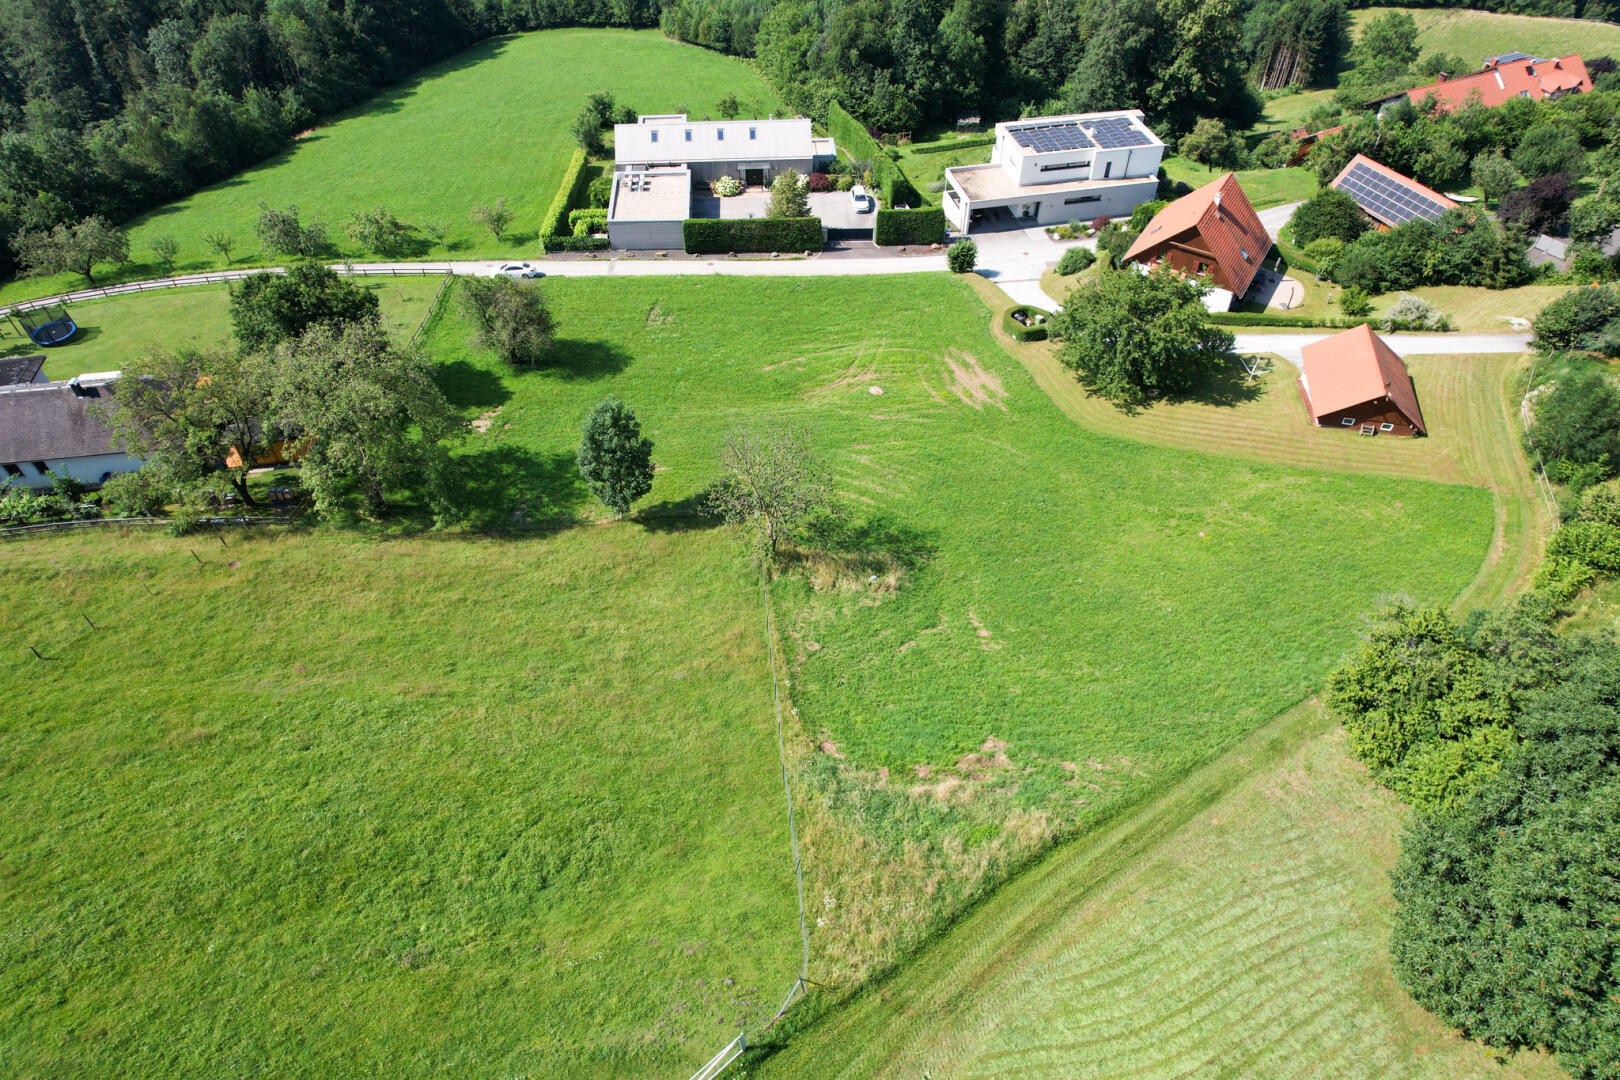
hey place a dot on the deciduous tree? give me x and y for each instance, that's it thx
(771, 483)
(76, 248)
(512, 318)
(788, 198)
(270, 308)
(495, 217)
(614, 458)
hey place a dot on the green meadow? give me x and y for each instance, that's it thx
(492, 121)
(504, 800)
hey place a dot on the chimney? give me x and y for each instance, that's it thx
(1443, 77)
(73, 384)
(1217, 201)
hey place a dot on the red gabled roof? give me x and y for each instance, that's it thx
(1224, 218)
(1354, 367)
(1534, 79)
(1396, 178)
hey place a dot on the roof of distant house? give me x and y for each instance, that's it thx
(1509, 77)
(51, 421)
(1354, 367)
(1226, 220)
(1387, 195)
(674, 138)
(15, 370)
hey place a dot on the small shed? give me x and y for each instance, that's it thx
(1354, 380)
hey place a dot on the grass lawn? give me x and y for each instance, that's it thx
(492, 121)
(926, 169)
(1264, 187)
(1485, 311)
(113, 331)
(495, 807)
(1236, 927)
(1288, 111)
(1474, 35)
(324, 806)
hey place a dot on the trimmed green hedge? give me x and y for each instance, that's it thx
(1262, 318)
(580, 222)
(565, 242)
(924, 226)
(960, 144)
(848, 133)
(1018, 330)
(555, 225)
(709, 236)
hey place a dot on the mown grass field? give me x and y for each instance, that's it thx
(496, 806)
(490, 122)
(325, 807)
(1264, 187)
(115, 330)
(1236, 927)
(1474, 35)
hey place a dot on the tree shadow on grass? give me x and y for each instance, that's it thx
(1226, 387)
(509, 488)
(468, 386)
(584, 361)
(677, 515)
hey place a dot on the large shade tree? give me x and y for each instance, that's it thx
(268, 309)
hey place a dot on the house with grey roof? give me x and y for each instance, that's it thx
(22, 370)
(48, 428)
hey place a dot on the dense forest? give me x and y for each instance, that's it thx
(113, 106)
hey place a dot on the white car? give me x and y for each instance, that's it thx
(519, 270)
(862, 201)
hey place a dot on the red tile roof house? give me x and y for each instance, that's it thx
(1396, 200)
(1211, 233)
(1502, 79)
(1354, 380)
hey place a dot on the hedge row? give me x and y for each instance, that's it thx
(708, 236)
(848, 133)
(1261, 318)
(581, 221)
(555, 225)
(1018, 330)
(960, 144)
(565, 242)
(925, 226)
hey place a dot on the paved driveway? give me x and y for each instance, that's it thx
(1015, 259)
(1288, 346)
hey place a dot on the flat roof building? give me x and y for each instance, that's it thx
(1050, 169)
(752, 151)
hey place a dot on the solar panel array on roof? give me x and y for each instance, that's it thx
(1115, 132)
(1043, 138)
(1385, 199)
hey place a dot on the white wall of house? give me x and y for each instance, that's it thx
(88, 470)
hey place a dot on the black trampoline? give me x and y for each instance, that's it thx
(48, 326)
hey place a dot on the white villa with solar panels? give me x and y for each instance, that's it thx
(1051, 169)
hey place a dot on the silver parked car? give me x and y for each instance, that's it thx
(519, 270)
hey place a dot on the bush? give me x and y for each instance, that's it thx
(818, 182)
(136, 494)
(1113, 239)
(1036, 330)
(1329, 213)
(1589, 543)
(1266, 318)
(1541, 206)
(1574, 320)
(586, 222)
(923, 226)
(1101, 222)
(787, 197)
(962, 256)
(1275, 151)
(1578, 421)
(1355, 302)
(707, 236)
(1324, 252)
(1075, 259)
(555, 223)
(1209, 143)
(726, 187)
(1414, 313)
(600, 193)
(67, 486)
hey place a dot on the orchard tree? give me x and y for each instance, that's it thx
(1209, 143)
(281, 233)
(192, 412)
(512, 318)
(71, 248)
(614, 458)
(221, 244)
(1129, 337)
(165, 249)
(270, 308)
(771, 483)
(495, 216)
(379, 230)
(369, 416)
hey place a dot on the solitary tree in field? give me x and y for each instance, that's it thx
(1129, 337)
(434, 231)
(165, 249)
(614, 458)
(512, 318)
(282, 233)
(788, 199)
(379, 230)
(771, 483)
(495, 217)
(220, 243)
(76, 248)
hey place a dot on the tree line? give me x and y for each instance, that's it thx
(111, 109)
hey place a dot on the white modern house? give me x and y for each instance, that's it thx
(47, 427)
(1051, 169)
(660, 160)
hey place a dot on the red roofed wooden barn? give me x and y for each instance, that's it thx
(1210, 233)
(1354, 380)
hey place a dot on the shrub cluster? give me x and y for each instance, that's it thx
(857, 142)
(1075, 259)
(1580, 319)
(962, 256)
(1463, 248)
(708, 236)
(1328, 213)
(921, 226)
(1266, 318)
